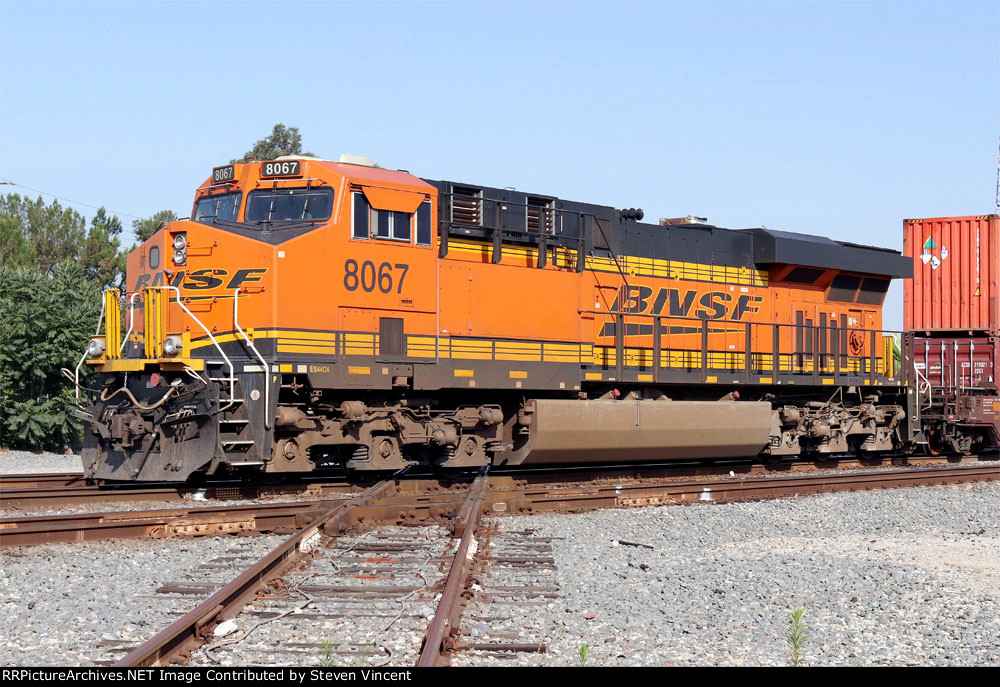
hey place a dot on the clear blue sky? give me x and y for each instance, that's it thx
(837, 119)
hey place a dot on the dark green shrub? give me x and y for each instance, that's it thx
(45, 323)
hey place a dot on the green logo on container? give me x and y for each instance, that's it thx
(929, 258)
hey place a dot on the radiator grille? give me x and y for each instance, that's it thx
(540, 216)
(467, 205)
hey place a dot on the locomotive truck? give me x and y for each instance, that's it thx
(318, 315)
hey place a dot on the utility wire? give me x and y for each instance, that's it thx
(8, 182)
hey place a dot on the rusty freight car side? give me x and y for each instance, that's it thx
(957, 392)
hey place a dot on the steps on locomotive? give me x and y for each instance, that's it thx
(235, 434)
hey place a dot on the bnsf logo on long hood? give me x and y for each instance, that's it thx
(709, 305)
(202, 280)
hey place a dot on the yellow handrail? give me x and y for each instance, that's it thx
(155, 316)
(112, 324)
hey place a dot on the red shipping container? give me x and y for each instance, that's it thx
(955, 286)
(957, 363)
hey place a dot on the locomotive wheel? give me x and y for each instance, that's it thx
(267, 478)
(771, 459)
(934, 445)
(962, 444)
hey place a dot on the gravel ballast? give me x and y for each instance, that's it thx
(889, 577)
(28, 462)
(61, 602)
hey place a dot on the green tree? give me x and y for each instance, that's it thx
(52, 269)
(53, 232)
(46, 321)
(33, 233)
(144, 228)
(282, 141)
(14, 247)
(101, 256)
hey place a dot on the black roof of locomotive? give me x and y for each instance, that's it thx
(788, 248)
(698, 243)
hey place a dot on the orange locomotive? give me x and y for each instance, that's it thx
(315, 314)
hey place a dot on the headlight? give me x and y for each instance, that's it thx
(180, 249)
(172, 345)
(95, 348)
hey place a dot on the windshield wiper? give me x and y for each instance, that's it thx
(288, 224)
(265, 225)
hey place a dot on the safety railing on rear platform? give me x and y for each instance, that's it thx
(656, 348)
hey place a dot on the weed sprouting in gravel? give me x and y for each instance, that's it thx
(583, 652)
(796, 636)
(326, 658)
(326, 653)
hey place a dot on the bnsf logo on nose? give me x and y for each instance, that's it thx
(202, 280)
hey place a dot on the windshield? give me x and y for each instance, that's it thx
(225, 206)
(277, 205)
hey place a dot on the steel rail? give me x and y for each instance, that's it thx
(54, 493)
(176, 641)
(63, 495)
(747, 468)
(447, 617)
(675, 468)
(510, 496)
(80, 527)
(38, 479)
(518, 499)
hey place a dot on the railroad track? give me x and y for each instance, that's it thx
(423, 501)
(420, 502)
(399, 559)
(60, 489)
(431, 500)
(444, 636)
(175, 643)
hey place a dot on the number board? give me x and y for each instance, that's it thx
(220, 175)
(281, 168)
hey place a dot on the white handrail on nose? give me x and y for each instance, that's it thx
(131, 320)
(267, 374)
(76, 373)
(232, 373)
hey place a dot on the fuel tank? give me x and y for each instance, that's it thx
(589, 431)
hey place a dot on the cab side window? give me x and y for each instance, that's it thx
(389, 225)
(424, 224)
(362, 210)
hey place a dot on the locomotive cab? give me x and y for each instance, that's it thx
(193, 384)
